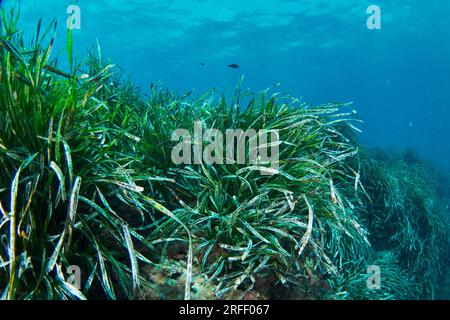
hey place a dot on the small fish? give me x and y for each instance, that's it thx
(187, 94)
(233, 66)
(202, 64)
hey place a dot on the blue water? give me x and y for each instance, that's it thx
(398, 76)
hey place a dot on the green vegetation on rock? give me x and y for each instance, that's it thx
(87, 179)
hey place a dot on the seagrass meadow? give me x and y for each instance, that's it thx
(87, 180)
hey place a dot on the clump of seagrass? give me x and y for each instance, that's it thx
(406, 217)
(64, 158)
(245, 225)
(395, 283)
